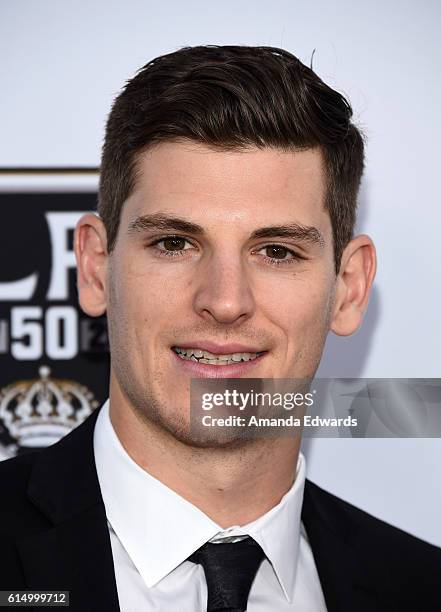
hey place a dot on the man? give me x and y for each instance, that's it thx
(223, 248)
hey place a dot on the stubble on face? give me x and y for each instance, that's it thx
(142, 376)
(138, 391)
(148, 405)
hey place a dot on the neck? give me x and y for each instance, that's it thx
(233, 486)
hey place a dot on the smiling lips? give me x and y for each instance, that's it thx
(206, 357)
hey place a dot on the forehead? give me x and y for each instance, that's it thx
(246, 185)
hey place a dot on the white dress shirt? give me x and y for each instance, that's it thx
(153, 530)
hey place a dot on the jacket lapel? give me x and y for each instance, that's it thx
(75, 553)
(347, 583)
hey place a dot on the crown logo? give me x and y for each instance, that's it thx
(39, 412)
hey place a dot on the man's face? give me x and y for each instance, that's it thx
(219, 252)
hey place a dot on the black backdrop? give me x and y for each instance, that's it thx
(41, 324)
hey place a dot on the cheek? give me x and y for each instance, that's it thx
(299, 306)
(143, 301)
(301, 314)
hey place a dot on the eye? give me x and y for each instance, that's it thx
(278, 254)
(172, 243)
(171, 246)
(276, 251)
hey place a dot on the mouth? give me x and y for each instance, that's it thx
(208, 358)
(228, 361)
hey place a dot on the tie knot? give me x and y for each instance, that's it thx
(229, 571)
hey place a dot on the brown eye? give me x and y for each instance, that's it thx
(276, 252)
(174, 244)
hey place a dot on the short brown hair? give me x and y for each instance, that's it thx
(231, 97)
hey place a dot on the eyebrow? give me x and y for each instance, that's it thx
(297, 231)
(159, 221)
(162, 222)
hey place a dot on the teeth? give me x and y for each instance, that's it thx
(210, 358)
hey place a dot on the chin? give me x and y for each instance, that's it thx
(204, 437)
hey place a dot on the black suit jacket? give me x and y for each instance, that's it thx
(54, 535)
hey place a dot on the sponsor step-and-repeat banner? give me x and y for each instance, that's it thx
(54, 359)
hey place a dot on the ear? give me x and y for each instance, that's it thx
(90, 245)
(354, 282)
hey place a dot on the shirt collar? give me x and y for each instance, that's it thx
(159, 529)
(278, 532)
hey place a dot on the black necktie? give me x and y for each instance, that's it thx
(229, 571)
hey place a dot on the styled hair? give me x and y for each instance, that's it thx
(233, 97)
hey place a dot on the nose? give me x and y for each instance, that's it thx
(223, 293)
